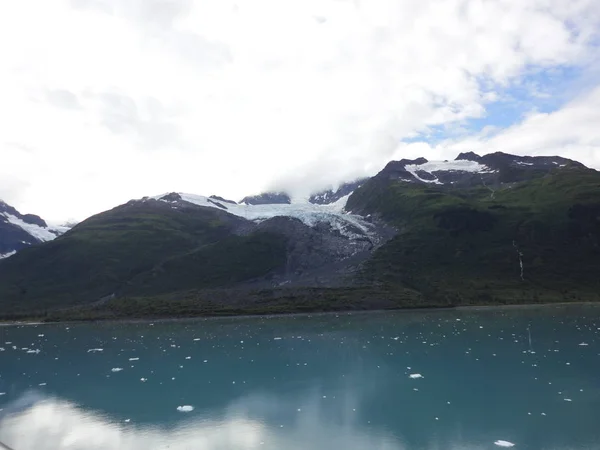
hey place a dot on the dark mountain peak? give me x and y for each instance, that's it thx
(399, 165)
(171, 197)
(18, 231)
(469, 169)
(503, 159)
(6, 208)
(221, 199)
(35, 220)
(396, 170)
(329, 196)
(31, 219)
(468, 156)
(267, 198)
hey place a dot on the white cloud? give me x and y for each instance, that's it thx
(107, 100)
(572, 132)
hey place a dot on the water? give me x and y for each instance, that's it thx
(407, 380)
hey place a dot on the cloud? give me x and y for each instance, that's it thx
(124, 99)
(62, 98)
(572, 132)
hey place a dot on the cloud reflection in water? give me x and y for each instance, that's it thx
(54, 424)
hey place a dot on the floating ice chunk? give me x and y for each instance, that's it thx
(568, 400)
(277, 339)
(583, 344)
(188, 357)
(185, 408)
(95, 350)
(34, 351)
(2, 393)
(134, 359)
(143, 380)
(116, 369)
(501, 443)
(197, 339)
(415, 375)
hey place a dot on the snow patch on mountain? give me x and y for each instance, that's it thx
(349, 225)
(40, 233)
(7, 255)
(431, 167)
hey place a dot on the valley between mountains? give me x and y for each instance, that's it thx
(478, 230)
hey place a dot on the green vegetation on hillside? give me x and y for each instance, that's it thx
(138, 247)
(225, 263)
(528, 241)
(465, 245)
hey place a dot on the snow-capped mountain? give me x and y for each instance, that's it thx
(18, 231)
(328, 207)
(419, 233)
(470, 169)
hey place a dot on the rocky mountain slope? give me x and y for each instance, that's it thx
(477, 230)
(18, 231)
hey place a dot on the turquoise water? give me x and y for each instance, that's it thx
(405, 380)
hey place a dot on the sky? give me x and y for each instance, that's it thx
(102, 101)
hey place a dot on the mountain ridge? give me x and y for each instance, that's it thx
(476, 230)
(18, 231)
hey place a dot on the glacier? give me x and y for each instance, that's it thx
(310, 214)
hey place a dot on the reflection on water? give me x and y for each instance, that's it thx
(436, 380)
(53, 424)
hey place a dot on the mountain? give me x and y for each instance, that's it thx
(489, 229)
(18, 231)
(470, 169)
(333, 195)
(158, 245)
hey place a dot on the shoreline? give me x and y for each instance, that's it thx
(141, 320)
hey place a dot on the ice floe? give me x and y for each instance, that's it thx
(501, 443)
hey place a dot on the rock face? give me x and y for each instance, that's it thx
(18, 231)
(268, 198)
(321, 255)
(221, 199)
